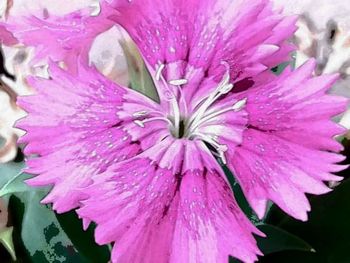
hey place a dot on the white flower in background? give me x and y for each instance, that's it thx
(9, 113)
(324, 33)
(107, 55)
(56, 7)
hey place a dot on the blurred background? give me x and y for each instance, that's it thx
(30, 232)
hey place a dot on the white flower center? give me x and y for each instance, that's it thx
(188, 126)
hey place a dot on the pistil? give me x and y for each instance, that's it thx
(236, 107)
(171, 97)
(188, 128)
(223, 88)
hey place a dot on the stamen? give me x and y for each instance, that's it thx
(209, 139)
(226, 89)
(172, 99)
(96, 9)
(223, 88)
(140, 114)
(142, 123)
(223, 158)
(236, 107)
(240, 104)
(159, 71)
(220, 148)
(227, 73)
(178, 82)
(177, 115)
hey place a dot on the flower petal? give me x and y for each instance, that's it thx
(6, 37)
(193, 38)
(287, 148)
(169, 210)
(74, 131)
(61, 38)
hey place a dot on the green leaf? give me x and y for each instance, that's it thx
(239, 196)
(8, 171)
(279, 240)
(140, 78)
(15, 185)
(7, 241)
(83, 240)
(41, 229)
(327, 229)
(281, 67)
(26, 233)
(41, 234)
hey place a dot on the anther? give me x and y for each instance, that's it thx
(223, 88)
(239, 104)
(140, 114)
(142, 123)
(139, 123)
(226, 89)
(219, 148)
(159, 71)
(178, 82)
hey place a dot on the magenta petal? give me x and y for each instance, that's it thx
(193, 38)
(146, 172)
(60, 38)
(6, 37)
(74, 129)
(270, 168)
(152, 213)
(297, 108)
(210, 225)
(286, 151)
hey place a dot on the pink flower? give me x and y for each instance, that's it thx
(147, 172)
(61, 38)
